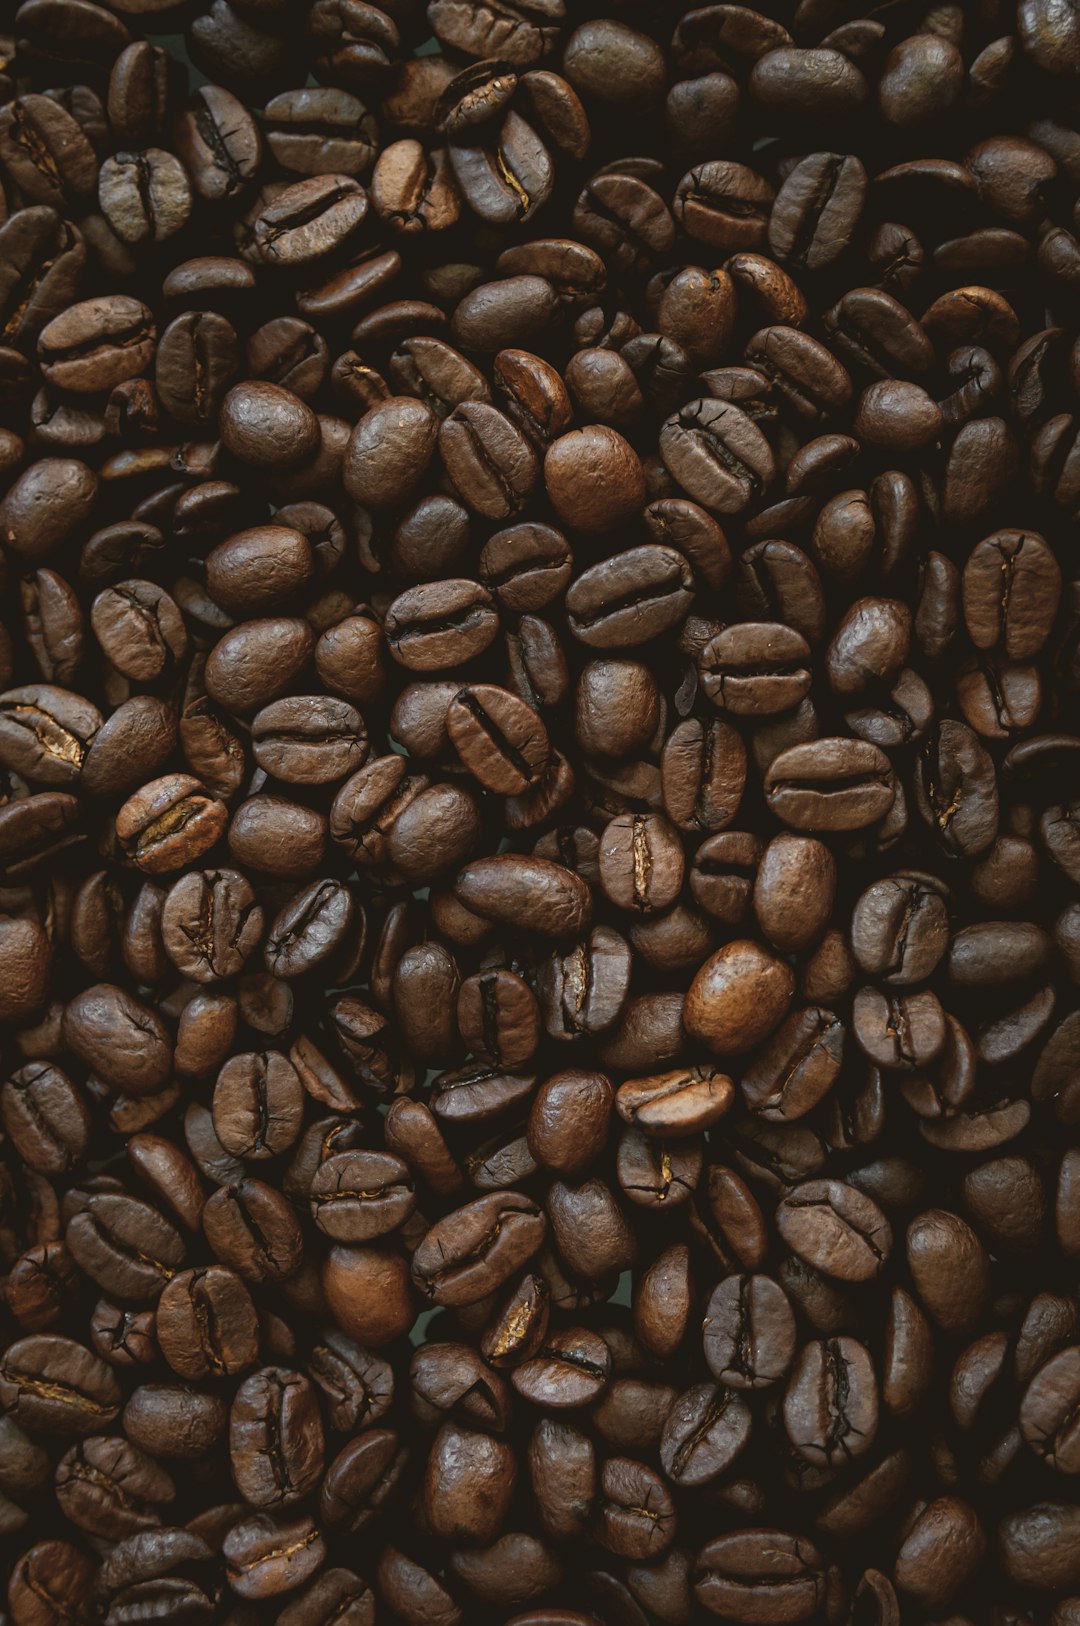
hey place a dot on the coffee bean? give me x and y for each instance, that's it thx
(569, 1369)
(357, 1196)
(835, 1228)
(257, 1106)
(168, 823)
(830, 784)
(206, 1323)
(755, 668)
(945, 1526)
(265, 1556)
(470, 682)
(641, 862)
(737, 998)
(638, 596)
(703, 1434)
(476, 1249)
(816, 210)
(53, 1385)
(757, 1570)
(831, 1403)
(594, 478)
(109, 1489)
(717, 454)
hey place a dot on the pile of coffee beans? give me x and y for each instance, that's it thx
(540, 813)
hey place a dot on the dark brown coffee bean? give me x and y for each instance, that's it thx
(816, 210)
(641, 862)
(759, 1570)
(718, 455)
(558, 903)
(1011, 584)
(251, 1228)
(258, 1104)
(501, 741)
(631, 599)
(53, 1385)
(704, 1432)
(831, 1401)
(265, 1556)
(219, 143)
(275, 1437)
(206, 1324)
(594, 478)
(737, 998)
(476, 1248)
(835, 1228)
(755, 668)
(584, 989)
(357, 1196)
(570, 1369)
(210, 924)
(440, 625)
(169, 823)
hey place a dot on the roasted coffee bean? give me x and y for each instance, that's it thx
(541, 725)
(831, 1401)
(835, 1228)
(265, 1556)
(476, 1248)
(717, 454)
(631, 600)
(275, 1437)
(755, 668)
(641, 862)
(830, 784)
(357, 1196)
(258, 1105)
(53, 1385)
(570, 1369)
(749, 1332)
(127, 1247)
(760, 1569)
(251, 1229)
(584, 989)
(46, 1117)
(206, 1324)
(737, 998)
(110, 1489)
(501, 741)
(816, 210)
(119, 1037)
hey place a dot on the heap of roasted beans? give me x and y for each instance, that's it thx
(540, 813)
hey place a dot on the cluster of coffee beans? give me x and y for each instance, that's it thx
(540, 813)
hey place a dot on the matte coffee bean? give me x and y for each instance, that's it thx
(52, 1385)
(831, 1402)
(357, 1196)
(168, 823)
(206, 1323)
(835, 1228)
